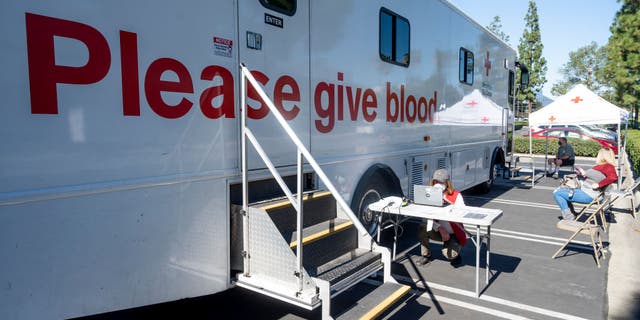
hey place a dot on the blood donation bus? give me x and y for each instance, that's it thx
(125, 178)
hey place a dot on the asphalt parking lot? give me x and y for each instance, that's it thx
(525, 282)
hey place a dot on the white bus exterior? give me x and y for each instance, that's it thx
(120, 129)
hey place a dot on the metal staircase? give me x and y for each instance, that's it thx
(306, 248)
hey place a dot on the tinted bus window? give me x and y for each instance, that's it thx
(465, 68)
(287, 7)
(394, 41)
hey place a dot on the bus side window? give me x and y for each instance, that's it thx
(465, 69)
(394, 38)
(287, 7)
(512, 82)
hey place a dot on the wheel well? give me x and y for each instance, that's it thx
(498, 156)
(377, 171)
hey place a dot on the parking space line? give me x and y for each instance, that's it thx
(532, 237)
(529, 236)
(574, 244)
(545, 188)
(517, 202)
(484, 297)
(475, 307)
(522, 203)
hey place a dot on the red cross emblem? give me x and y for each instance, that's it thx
(576, 99)
(487, 64)
(472, 103)
(485, 119)
(552, 118)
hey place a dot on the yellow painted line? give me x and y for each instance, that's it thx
(285, 203)
(386, 303)
(322, 234)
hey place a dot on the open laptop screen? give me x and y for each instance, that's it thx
(428, 195)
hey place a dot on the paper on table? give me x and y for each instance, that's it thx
(472, 215)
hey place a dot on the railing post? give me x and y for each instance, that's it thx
(300, 221)
(245, 182)
(307, 155)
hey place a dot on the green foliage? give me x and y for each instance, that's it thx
(496, 27)
(582, 148)
(530, 54)
(623, 55)
(586, 66)
(633, 150)
(520, 124)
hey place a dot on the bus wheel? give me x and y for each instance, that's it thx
(373, 189)
(485, 187)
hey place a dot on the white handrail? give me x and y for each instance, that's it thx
(301, 147)
(271, 168)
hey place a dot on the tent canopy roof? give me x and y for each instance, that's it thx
(578, 106)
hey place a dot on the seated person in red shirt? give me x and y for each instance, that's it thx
(595, 179)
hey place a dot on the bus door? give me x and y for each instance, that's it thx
(274, 45)
(508, 117)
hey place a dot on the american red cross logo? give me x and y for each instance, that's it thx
(577, 99)
(485, 119)
(472, 103)
(552, 118)
(487, 64)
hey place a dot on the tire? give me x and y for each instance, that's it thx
(486, 186)
(370, 190)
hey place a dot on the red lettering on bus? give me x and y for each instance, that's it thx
(154, 86)
(369, 101)
(44, 74)
(324, 112)
(329, 103)
(279, 96)
(225, 90)
(420, 109)
(129, 72)
(261, 112)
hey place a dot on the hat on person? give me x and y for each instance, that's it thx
(441, 175)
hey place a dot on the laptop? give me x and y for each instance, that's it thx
(427, 195)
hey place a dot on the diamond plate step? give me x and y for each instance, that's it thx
(328, 244)
(377, 302)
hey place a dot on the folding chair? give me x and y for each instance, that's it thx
(566, 169)
(527, 165)
(628, 193)
(599, 199)
(589, 227)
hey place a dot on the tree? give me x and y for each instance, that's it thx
(496, 27)
(623, 54)
(530, 54)
(586, 66)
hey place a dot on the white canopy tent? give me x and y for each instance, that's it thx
(579, 106)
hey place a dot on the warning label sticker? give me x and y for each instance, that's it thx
(222, 47)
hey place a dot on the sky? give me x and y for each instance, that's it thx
(565, 25)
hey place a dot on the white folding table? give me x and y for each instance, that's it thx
(480, 217)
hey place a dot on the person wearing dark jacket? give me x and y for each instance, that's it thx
(564, 157)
